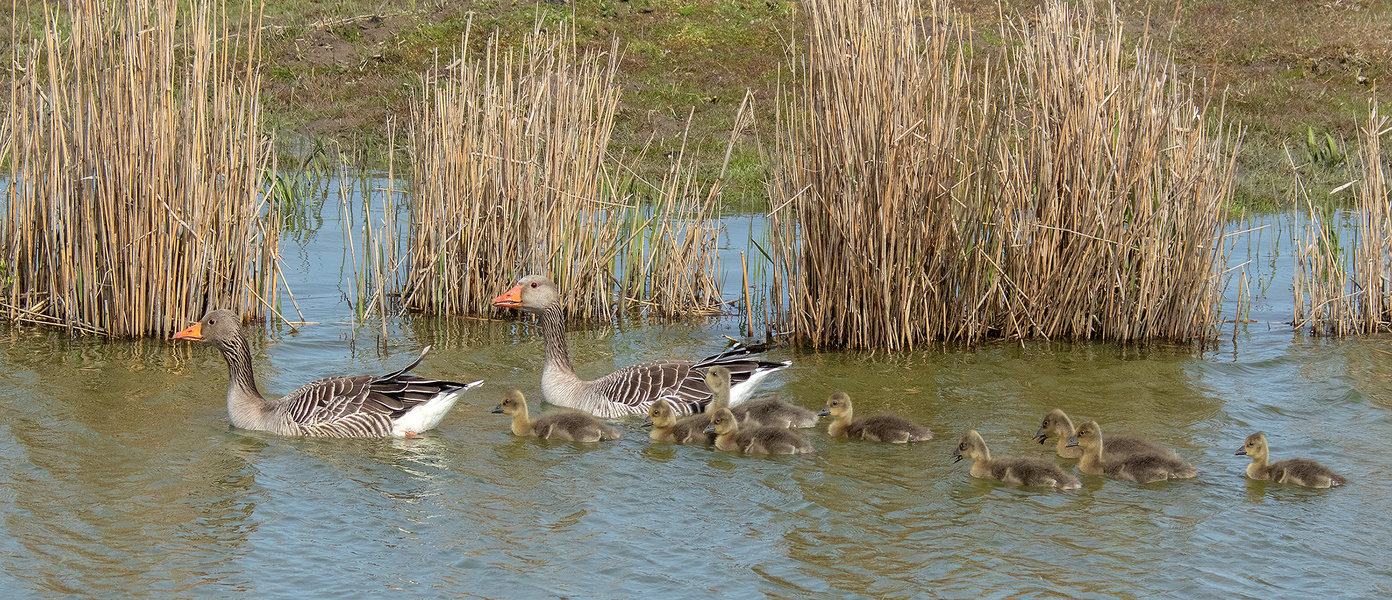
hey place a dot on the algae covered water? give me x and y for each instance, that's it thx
(121, 476)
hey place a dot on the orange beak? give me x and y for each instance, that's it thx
(193, 332)
(512, 299)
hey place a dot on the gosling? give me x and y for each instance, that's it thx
(754, 413)
(1057, 424)
(1299, 471)
(1030, 472)
(569, 425)
(1140, 468)
(754, 440)
(690, 430)
(878, 428)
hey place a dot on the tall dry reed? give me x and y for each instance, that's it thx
(1342, 287)
(1070, 190)
(134, 161)
(511, 177)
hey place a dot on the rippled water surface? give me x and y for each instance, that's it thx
(121, 476)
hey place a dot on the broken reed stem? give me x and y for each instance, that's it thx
(512, 178)
(1342, 276)
(1082, 198)
(135, 163)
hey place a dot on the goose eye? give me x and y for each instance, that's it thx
(212, 321)
(534, 284)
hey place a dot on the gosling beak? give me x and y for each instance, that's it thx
(512, 299)
(1040, 436)
(1072, 442)
(956, 455)
(647, 421)
(825, 412)
(497, 409)
(193, 332)
(710, 428)
(1241, 451)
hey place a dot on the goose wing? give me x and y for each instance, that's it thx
(363, 398)
(681, 382)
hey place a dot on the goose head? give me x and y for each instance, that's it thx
(1055, 423)
(513, 403)
(1088, 436)
(533, 294)
(837, 405)
(972, 447)
(722, 422)
(220, 327)
(661, 414)
(1255, 447)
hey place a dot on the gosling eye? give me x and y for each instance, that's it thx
(963, 446)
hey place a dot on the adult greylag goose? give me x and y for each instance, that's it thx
(877, 428)
(629, 390)
(568, 425)
(1145, 467)
(1030, 472)
(730, 437)
(1299, 471)
(1057, 424)
(395, 404)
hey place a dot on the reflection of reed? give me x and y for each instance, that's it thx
(136, 167)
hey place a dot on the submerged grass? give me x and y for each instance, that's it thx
(135, 162)
(917, 200)
(511, 177)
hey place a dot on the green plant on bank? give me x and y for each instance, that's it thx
(135, 166)
(1323, 152)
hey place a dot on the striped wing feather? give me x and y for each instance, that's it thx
(681, 382)
(362, 405)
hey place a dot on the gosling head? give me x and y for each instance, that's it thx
(1055, 423)
(971, 446)
(718, 379)
(1254, 447)
(1087, 436)
(838, 404)
(661, 414)
(533, 294)
(513, 403)
(722, 422)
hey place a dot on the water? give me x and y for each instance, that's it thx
(122, 478)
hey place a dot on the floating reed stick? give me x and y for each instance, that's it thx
(1071, 190)
(134, 159)
(511, 178)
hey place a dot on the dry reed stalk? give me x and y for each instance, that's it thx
(511, 178)
(135, 164)
(913, 203)
(1344, 289)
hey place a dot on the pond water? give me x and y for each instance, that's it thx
(121, 476)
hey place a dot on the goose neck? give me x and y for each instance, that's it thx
(245, 404)
(553, 330)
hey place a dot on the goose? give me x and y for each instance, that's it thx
(1145, 467)
(1299, 471)
(395, 404)
(730, 437)
(877, 428)
(769, 412)
(629, 390)
(1029, 472)
(568, 425)
(690, 430)
(1057, 424)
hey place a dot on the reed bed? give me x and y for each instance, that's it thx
(1071, 189)
(134, 165)
(511, 177)
(1342, 287)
